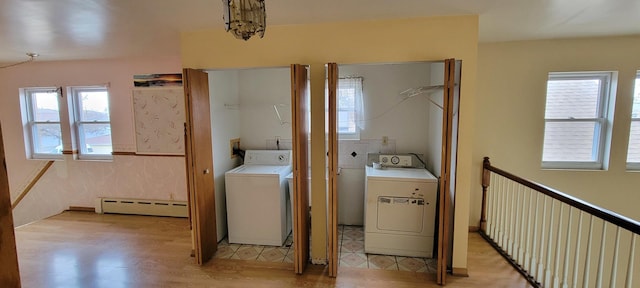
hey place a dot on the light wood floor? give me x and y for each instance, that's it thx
(80, 249)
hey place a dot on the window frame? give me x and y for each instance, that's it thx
(357, 110)
(79, 138)
(633, 165)
(602, 134)
(31, 123)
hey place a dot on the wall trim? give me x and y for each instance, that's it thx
(82, 209)
(159, 155)
(460, 272)
(123, 153)
(131, 153)
(474, 228)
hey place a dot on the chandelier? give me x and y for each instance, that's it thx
(244, 18)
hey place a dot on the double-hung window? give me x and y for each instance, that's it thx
(577, 120)
(92, 122)
(43, 130)
(349, 108)
(633, 152)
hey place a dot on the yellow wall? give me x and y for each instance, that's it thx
(400, 40)
(510, 115)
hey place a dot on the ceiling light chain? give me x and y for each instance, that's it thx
(244, 18)
(31, 55)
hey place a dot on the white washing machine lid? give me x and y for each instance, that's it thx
(260, 170)
(405, 174)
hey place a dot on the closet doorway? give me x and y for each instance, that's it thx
(202, 125)
(392, 108)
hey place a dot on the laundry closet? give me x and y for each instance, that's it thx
(389, 127)
(252, 143)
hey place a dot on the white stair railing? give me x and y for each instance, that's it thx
(541, 232)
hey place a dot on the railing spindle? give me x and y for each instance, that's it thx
(632, 252)
(534, 261)
(503, 214)
(508, 219)
(521, 242)
(587, 258)
(494, 205)
(556, 264)
(614, 267)
(576, 257)
(494, 210)
(512, 208)
(547, 270)
(567, 249)
(487, 210)
(540, 273)
(527, 254)
(505, 223)
(601, 257)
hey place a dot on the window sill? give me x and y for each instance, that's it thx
(574, 169)
(573, 166)
(94, 159)
(43, 158)
(633, 167)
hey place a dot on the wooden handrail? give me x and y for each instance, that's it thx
(609, 216)
(31, 184)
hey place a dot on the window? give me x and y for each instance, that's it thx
(92, 122)
(43, 131)
(350, 108)
(576, 120)
(633, 152)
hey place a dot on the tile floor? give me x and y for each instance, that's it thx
(351, 254)
(259, 253)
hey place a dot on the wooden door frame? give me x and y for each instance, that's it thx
(332, 80)
(204, 238)
(299, 111)
(299, 76)
(444, 202)
(9, 274)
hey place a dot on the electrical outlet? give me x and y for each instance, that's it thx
(234, 144)
(385, 140)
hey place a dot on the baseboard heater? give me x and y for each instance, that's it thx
(142, 207)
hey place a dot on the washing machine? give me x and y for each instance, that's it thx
(400, 206)
(257, 211)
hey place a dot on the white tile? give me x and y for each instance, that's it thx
(382, 262)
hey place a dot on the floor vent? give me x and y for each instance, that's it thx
(142, 207)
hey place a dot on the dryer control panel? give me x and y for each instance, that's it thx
(395, 160)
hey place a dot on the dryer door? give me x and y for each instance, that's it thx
(400, 214)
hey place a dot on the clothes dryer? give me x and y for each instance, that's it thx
(399, 208)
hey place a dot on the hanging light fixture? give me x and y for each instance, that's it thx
(244, 18)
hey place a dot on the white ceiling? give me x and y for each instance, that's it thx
(89, 29)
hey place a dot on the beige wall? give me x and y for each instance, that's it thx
(509, 125)
(354, 42)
